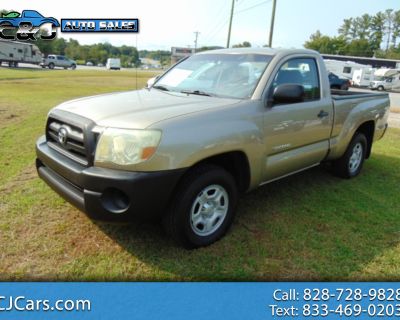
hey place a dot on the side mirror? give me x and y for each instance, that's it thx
(151, 81)
(288, 93)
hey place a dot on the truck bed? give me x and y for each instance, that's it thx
(345, 94)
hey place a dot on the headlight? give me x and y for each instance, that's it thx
(126, 147)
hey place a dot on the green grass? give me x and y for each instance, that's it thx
(311, 226)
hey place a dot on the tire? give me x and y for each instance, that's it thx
(350, 164)
(51, 65)
(26, 25)
(73, 67)
(190, 203)
(380, 88)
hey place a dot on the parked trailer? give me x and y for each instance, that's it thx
(14, 52)
(362, 77)
(113, 64)
(343, 69)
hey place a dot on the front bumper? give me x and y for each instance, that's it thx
(106, 194)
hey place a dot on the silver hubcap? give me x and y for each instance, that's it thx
(356, 157)
(209, 210)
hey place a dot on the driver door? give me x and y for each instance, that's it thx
(297, 134)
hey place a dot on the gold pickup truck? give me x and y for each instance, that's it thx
(215, 125)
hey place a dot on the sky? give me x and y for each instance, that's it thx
(167, 23)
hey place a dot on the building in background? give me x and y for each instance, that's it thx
(373, 62)
(178, 53)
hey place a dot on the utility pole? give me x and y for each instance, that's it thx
(230, 24)
(271, 29)
(195, 40)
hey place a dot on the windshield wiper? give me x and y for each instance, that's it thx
(160, 88)
(198, 92)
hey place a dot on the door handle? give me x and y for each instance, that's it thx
(323, 114)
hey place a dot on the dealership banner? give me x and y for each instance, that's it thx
(256, 300)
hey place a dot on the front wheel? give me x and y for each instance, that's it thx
(350, 164)
(381, 88)
(203, 207)
(73, 67)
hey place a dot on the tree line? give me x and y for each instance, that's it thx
(367, 35)
(95, 53)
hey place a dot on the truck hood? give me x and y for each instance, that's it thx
(140, 109)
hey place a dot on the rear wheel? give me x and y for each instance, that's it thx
(350, 164)
(203, 207)
(380, 88)
(25, 25)
(51, 65)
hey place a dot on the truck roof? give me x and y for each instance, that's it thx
(267, 51)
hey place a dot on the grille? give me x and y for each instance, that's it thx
(68, 139)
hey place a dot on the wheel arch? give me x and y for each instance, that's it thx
(235, 162)
(367, 128)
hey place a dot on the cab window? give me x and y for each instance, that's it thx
(302, 71)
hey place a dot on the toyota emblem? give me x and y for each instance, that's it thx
(62, 135)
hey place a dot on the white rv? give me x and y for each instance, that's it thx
(386, 79)
(13, 52)
(362, 77)
(344, 69)
(113, 64)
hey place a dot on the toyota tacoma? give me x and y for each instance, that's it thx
(213, 126)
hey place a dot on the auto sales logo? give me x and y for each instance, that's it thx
(100, 25)
(27, 25)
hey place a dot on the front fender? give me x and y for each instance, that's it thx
(190, 139)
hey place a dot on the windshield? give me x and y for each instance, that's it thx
(225, 75)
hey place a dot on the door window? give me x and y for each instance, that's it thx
(301, 71)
